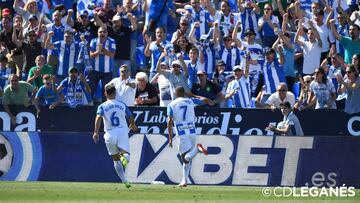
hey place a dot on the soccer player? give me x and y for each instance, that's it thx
(114, 114)
(181, 113)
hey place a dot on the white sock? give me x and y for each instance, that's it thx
(120, 171)
(190, 155)
(127, 157)
(186, 172)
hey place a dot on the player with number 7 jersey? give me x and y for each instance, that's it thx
(181, 114)
(114, 114)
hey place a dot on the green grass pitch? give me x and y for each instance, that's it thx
(39, 192)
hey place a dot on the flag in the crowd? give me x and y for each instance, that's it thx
(89, 4)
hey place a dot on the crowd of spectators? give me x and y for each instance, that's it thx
(238, 53)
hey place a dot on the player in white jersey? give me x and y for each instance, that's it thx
(114, 114)
(181, 113)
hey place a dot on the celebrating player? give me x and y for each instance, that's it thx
(114, 114)
(181, 112)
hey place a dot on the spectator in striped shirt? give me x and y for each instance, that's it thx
(67, 52)
(272, 68)
(228, 53)
(238, 89)
(201, 16)
(102, 51)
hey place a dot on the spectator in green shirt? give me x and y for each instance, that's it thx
(37, 72)
(351, 44)
(16, 93)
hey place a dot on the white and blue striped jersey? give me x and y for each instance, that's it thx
(58, 31)
(231, 56)
(242, 97)
(155, 53)
(249, 19)
(67, 54)
(209, 58)
(103, 63)
(256, 52)
(273, 74)
(183, 113)
(306, 4)
(203, 16)
(114, 114)
(192, 71)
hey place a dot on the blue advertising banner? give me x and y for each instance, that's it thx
(232, 160)
(152, 120)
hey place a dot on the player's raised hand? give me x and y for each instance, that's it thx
(96, 137)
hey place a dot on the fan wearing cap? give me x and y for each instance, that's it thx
(33, 25)
(228, 53)
(249, 15)
(125, 86)
(207, 88)
(83, 25)
(273, 70)
(121, 33)
(206, 50)
(238, 90)
(255, 51)
(75, 89)
(178, 75)
(290, 125)
(5, 12)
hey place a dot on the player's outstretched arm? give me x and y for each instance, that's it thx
(170, 129)
(98, 121)
(132, 125)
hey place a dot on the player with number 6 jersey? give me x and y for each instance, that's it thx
(114, 114)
